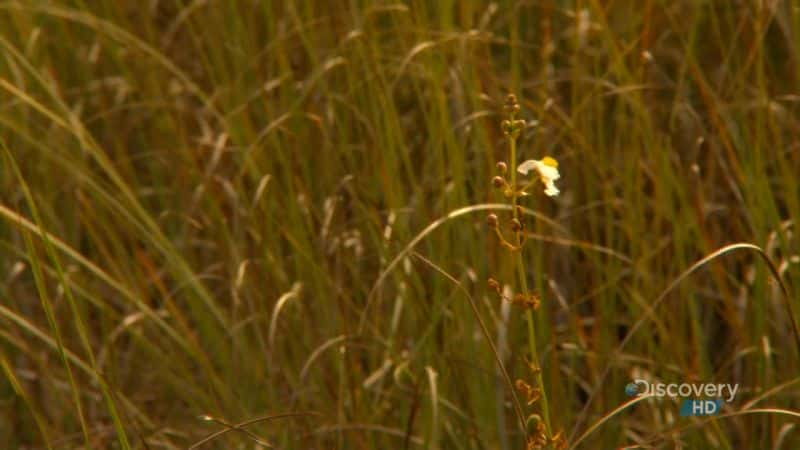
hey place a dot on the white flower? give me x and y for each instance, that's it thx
(547, 168)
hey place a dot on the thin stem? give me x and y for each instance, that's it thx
(513, 161)
(524, 282)
(534, 353)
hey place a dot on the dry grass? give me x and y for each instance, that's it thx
(271, 215)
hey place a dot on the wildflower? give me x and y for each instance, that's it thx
(547, 168)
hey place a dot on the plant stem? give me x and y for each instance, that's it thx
(524, 283)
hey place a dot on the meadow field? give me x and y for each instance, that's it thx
(246, 224)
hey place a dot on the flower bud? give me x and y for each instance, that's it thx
(491, 220)
(498, 182)
(505, 125)
(502, 167)
(516, 225)
(511, 106)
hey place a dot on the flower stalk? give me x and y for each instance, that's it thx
(546, 172)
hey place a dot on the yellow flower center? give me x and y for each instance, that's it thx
(548, 161)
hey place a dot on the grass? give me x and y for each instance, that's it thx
(227, 224)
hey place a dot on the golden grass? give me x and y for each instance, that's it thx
(249, 211)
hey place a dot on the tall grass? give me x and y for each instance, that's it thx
(236, 223)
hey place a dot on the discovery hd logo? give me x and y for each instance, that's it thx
(700, 399)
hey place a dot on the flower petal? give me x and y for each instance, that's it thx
(551, 189)
(548, 172)
(527, 166)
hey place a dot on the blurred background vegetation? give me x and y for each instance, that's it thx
(201, 202)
